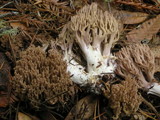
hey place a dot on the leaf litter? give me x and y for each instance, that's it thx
(38, 23)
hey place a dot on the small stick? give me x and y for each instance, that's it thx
(151, 107)
(8, 14)
(6, 4)
(12, 51)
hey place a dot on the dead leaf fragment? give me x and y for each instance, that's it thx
(130, 17)
(5, 99)
(84, 109)
(145, 31)
(18, 25)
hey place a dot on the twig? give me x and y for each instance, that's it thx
(1, 66)
(12, 51)
(146, 115)
(99, 115)
(16, 117)
(151, 107)
(6, 4)
(54, 96)
(95, 110)
(8, 14)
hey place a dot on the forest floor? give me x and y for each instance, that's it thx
(28, 23)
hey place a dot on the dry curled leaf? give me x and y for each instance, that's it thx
(83, 110)
(145, 31)
(130, 17)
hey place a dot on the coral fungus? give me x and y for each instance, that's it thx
(156, 53)
(95, 32)
(124, 97)
(42, 77)
(138, 60)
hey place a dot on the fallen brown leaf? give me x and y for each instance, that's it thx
(145, 31)
(130, 17)
(18, 25)
(84, 109)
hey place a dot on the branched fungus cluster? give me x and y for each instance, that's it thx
(124, 97)
(156, 52)
(138, 60)
(95, 32)
(41, 77)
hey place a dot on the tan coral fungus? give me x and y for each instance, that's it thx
(156, 52)
(138, 60)
(124, 97)
(95, 32)
(41, 76)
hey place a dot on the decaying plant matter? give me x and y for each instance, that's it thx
(140, 4)
(127, 17)
(58, 8)
(6, 96)
(84, 109)
(124, 97)
(145, 31)
(15, 44)
(138, 60)
(95, 32)
(85, 35)
(42, 77)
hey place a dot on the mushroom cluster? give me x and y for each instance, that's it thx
(95, 32)
(139, 61)
(124, 97)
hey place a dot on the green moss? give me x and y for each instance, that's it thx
(6, 30)
(2, 24)
(108, 0)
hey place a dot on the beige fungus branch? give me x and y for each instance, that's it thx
(138, 61)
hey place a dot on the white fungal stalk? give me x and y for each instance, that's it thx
(155, 89)
(77, 72)
(97, 66)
